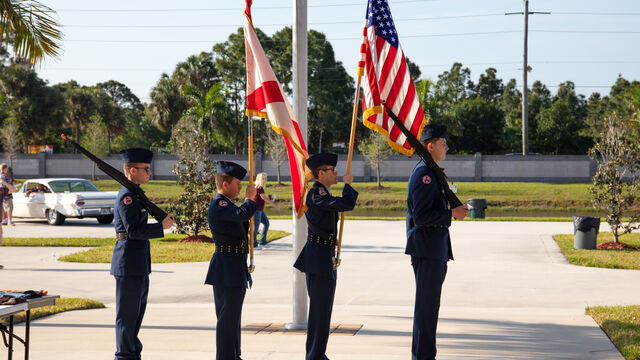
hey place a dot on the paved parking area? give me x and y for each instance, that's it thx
(508, 295)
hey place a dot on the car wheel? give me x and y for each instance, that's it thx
(105, 219)
(54, 217)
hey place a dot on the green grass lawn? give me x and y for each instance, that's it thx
(613, 259)
(622, 325)
(165, 250)
(62, 304)
(514, 199)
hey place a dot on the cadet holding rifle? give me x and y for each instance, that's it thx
(428, 240)
(131, 262)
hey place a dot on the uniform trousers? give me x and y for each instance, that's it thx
(229, 312)
(321, 291)
(429, 276)
(131, 302)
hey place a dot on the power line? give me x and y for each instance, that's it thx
(232, 9)
(595, 13)
(351, 67)
(586, 31)
(358, 38)
(271, 40)
(274, 24)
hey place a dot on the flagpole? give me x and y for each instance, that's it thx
(299, 81)
(251, 224)
(354, 118)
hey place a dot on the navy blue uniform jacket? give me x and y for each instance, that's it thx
(132, 257)
(229, 269)
(323, 213)
(428, 216)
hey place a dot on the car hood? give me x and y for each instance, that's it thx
(92, 195)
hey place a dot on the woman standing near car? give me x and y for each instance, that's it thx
(7, 204)
(260, 217)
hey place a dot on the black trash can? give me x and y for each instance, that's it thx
(477, 208)
(585, 232)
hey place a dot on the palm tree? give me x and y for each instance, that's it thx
(167, 103)
(32, 29)
(204, 106)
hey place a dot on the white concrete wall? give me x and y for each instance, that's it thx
(564, 168)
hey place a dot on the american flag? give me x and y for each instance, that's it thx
(387, 79)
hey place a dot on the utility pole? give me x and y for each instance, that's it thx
(525, 69)
(300, 65)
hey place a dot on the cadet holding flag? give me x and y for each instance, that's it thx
(428, 241)
(316, 258)
(228, 272)
(131, 261)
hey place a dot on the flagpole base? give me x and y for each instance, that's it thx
(295, 326)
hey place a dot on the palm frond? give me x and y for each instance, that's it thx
(35, 33)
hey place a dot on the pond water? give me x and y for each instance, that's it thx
(488, 213)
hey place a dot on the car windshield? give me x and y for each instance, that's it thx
(72, 186)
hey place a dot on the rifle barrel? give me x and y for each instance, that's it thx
(452, 199)
(118, 176)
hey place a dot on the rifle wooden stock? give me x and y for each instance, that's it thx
(452, 199)
(116, 175)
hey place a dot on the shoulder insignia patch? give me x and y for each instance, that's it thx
(127, 200)
(223, 203)
(426, 179)
(322, 192)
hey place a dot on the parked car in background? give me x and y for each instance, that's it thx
(59, 198)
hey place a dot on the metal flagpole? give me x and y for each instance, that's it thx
(251, 224)
(336, 261)
(300, 110)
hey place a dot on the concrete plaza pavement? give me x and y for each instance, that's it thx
(508, 295)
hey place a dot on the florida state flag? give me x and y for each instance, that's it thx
(266, 99)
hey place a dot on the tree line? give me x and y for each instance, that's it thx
(208, 90)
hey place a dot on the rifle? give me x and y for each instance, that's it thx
(116, 175)
(452, 199)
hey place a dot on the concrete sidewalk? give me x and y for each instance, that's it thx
(508, 295)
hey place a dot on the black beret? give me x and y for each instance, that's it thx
(231, 168)
(433, 131)
(322, 159)
(136, 155)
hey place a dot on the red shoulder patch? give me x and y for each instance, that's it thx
(426, 179)
(127, 200)
(322, 192)
(223, 203)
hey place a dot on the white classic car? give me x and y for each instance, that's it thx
(58, 199)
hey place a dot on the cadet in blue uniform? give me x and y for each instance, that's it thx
(316, 258)
(131, 261)
(428, 241)
(228, 267)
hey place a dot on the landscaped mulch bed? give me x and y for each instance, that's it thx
(196, 238)
(612, 245)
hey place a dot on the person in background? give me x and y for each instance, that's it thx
(4, 184)
(40, 188)
(1, 200)
(260, 217)
(7, 205)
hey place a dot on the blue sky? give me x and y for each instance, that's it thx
(134, 42)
